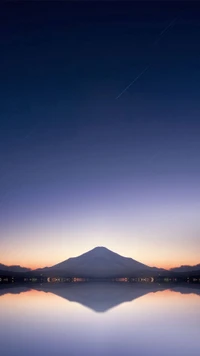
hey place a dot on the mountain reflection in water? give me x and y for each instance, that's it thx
(99, 319)
(100, 297)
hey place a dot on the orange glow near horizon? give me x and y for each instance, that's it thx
(156, 295)
(158, 236)
(57, 258)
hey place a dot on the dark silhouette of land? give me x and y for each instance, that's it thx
(99, 263)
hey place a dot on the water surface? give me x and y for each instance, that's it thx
(99, 319)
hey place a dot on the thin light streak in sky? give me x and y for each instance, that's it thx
(134, 80)
(165, 30)
(162, 33)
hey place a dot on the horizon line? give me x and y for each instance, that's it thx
(103, 247)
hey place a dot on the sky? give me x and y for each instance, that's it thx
(99, 131)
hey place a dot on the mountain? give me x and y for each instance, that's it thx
(13, 268)
(100, 263)
(186, 268)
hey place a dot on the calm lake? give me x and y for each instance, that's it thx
(100, 319)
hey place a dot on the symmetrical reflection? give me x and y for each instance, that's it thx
(96, 319)
(100, 297)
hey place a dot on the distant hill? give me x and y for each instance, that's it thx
(13, 268)
(101, 263)
(186, 268)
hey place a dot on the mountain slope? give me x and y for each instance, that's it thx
(99, 262)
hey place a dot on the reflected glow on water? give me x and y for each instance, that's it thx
(100, 319)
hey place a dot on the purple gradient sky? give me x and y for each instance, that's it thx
(79, 168)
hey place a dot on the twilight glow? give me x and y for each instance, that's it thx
(80, 168)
